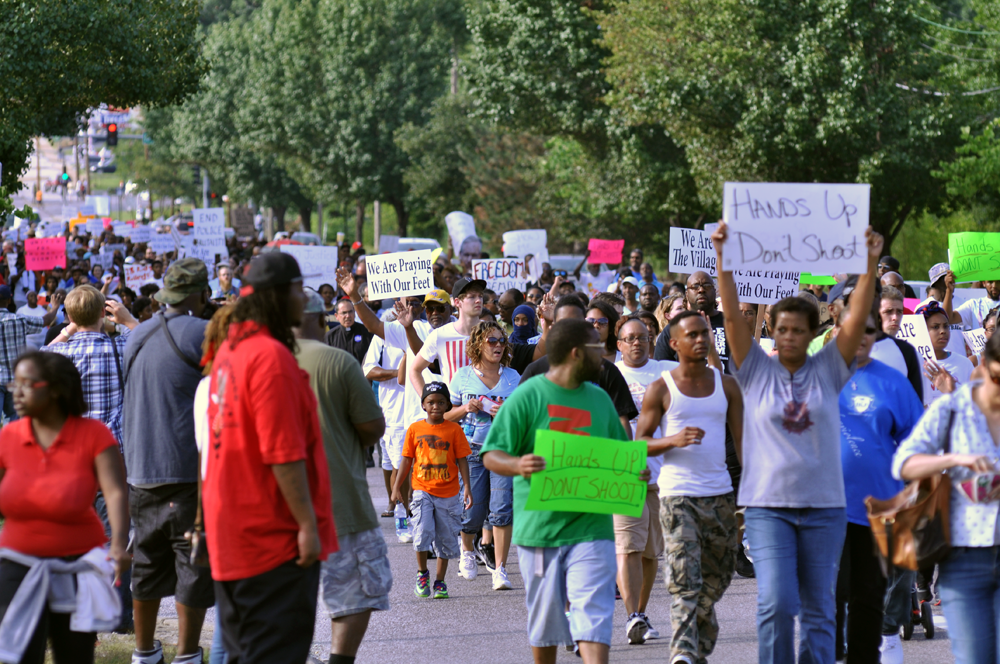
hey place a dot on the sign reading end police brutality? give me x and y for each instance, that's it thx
(401, 274)
(816, 228)
(209, 235)
(586, 474)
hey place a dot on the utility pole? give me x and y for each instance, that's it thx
(322, 228)
(38, 162)
(88, 161)
(76, 157)
(377, 221)
(204, 189)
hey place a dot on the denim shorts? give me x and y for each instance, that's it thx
(357, 577)
(582, 574)
(436, 522)
(392, 447)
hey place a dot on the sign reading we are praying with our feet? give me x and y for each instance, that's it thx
(587, 474)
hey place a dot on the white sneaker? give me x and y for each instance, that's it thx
(468, 567)
(651, 633)
(635, 629)
(891, 649)
(155, 656)
(500, 580)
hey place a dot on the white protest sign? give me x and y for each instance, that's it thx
(95, 226)
(460, 226)
(913, 330)
(520, 244)
(765, 286)
(110, 249)
(101, 206)
(976, 340)
(12, 263)
(88, 209)
(209, 235)
(956, 342)
(121, 229)
(318, 264)
(500, 274)
(388, 244)
(141, 234)
(49, 229)
(401, 274)
(162, 243)
(137, 275)
(691, 250)
(107, 261)
(68, 212)
(815, 228)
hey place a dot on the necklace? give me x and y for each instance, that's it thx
(854, 382)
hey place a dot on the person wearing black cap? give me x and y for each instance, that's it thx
(888, 264)
(266, 492)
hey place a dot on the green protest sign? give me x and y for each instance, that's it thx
(807, 279)
(585, 474)
(974, 256)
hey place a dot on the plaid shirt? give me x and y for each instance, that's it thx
(94, 357)
(13, 330)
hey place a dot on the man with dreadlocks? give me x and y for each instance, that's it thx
(266, 492)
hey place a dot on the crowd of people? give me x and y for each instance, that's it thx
(222, 421)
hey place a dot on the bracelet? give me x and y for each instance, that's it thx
(356, 303)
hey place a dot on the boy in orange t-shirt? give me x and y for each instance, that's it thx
(436, 450)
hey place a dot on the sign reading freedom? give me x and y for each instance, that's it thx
(815, 228)
(586, 474)
(974, 256)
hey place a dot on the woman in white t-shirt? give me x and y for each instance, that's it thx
(947, 371)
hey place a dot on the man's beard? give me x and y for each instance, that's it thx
(588, 371)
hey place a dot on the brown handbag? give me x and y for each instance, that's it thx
(911, 529)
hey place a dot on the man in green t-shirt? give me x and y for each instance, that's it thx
(357, 578)
(564, 556)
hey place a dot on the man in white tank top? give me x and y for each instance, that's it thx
(691, 405)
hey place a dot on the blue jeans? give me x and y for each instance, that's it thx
(479, 484)
(796, 554)
(218, 654)
(969, 583)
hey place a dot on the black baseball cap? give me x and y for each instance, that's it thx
(436, 387)
(270, 270)
(465, 284)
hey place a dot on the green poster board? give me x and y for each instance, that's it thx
(974, 256)
(807, 279)
(585, 474)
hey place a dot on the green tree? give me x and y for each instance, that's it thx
(792, 91)
(60, 59)
(973, 177)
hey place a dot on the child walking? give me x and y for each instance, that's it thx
(436, 450)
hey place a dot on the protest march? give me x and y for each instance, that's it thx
(208, 420)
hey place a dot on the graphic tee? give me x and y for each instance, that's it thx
(435, 450)
(638, 380)
(468, 385)
(447, 345)
(958, 366)
(541, 404)
(878, 409)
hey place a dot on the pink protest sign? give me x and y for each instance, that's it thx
(605, 251)
(44, 253)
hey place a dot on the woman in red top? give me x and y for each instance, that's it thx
(51, 464)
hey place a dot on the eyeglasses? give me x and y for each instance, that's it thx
(871, 330)
(26, 387)
(493, 341)
(632, 340)
(599, 322)
(701, 285)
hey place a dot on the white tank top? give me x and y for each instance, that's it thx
(696, 470)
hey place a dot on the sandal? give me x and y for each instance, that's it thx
(388, 514)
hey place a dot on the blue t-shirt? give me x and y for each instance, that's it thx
(878, 408)
(467, 385)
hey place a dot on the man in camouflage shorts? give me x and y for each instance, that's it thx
(692, 405)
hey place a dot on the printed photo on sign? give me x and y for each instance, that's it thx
(815, 228)
(401, 274)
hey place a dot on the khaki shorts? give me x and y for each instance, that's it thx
(642, 534)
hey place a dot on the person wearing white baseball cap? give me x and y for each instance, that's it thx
(630, 289)
(942, 289)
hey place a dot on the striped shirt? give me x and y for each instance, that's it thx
(447, 345)
(13, 330)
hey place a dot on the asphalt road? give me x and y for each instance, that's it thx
(480, 625)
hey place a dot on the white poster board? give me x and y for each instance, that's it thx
(402, 274)
(162, 243)
(12, 264)
(209, 236)
(388, 244)
(121, 229)
(976, 340)
(956, 342)
(95, 226)
(460, 226)
(318, 264)
(816, 228)
(137, 275)
(49, 229)
(765, 286)
(141, 234)
(913, 330)
(519, 244)
(101, 206)
(107, 261)
(691, 250)
(501, 274)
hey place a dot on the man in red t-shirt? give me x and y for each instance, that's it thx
(266, 493)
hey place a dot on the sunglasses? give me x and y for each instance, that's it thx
(601, 322)
(871, 330)
(494, 341)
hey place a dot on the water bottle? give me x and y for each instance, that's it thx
(402, 527)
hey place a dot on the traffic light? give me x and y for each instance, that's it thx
(196, 180)
(112, 134)
(64, 178)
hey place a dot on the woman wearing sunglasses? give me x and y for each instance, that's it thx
(52, 462)
(604, 318)
(477, 391)
(967, 423)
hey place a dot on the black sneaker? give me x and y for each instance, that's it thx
(487, 555)
(743, 565)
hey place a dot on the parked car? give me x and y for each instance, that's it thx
(303, 237)
(417, 243)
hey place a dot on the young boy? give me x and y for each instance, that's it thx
(438, 449)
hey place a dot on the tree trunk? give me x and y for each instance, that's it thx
(305, 215)
(402, 218)
(279, 218)
(359, 221)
